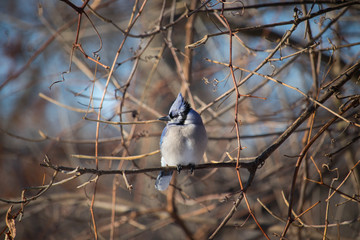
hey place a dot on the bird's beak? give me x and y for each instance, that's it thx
(165, 119)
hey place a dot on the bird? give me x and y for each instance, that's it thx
(183, 140)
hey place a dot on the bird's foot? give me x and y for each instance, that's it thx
(178, 168)
(192, 168)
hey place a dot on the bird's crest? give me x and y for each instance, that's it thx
(179, 107)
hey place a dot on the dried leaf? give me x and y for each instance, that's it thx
(10, 223)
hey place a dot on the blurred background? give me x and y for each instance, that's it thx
(126, 61)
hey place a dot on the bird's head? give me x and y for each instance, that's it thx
(178, 111)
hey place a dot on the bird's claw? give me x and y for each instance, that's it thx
(178, 168)
(192, 168)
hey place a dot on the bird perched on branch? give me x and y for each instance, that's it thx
(183, 140)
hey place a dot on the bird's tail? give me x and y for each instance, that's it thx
(163, 180)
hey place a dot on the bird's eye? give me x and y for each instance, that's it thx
(172, 115)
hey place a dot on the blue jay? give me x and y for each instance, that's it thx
(183, 140)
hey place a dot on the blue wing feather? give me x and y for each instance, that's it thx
(163, 180)
(163, 135)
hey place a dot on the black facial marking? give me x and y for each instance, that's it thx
(186, 109)
(181, 114)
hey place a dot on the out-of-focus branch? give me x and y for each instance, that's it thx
(41, 192)
(189, 38)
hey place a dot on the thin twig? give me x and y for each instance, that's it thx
(291, 87)
(299, 160)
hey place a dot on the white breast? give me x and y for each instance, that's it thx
(183, 144)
